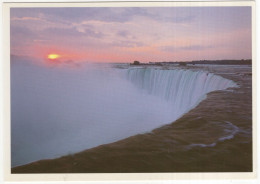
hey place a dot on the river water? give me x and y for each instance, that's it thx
(215, 136)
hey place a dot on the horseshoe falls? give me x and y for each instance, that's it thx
(58, 111)
(182, 89)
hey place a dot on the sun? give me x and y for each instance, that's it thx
(53, 56)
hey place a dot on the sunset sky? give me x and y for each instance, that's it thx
(127, 34)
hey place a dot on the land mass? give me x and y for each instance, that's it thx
(213, 62)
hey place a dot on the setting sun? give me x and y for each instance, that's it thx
(53, 56)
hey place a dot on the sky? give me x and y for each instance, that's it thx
(125, 34)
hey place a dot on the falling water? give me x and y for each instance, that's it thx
(183, 89)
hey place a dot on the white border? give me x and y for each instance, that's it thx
(5, 89)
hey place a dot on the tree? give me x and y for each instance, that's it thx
(136, 63)
(182, 64)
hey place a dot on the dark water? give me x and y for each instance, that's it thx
(216, 136)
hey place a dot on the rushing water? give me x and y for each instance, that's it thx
(58, 111)
(182, 89)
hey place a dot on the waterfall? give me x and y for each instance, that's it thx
(183, 89)
(71, 110)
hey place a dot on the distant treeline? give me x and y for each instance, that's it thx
(223, 62)
(215, 62)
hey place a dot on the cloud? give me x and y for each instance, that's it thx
(72, 32)
(67, 15)
(123, 33)
(22, 35)
(24, 18)
(76, 14)
(187, 48)
(196, 47)
(127, 43)
(178, 19)
(91, 33)
(99, 29)
(41, 40)
(105, 14)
